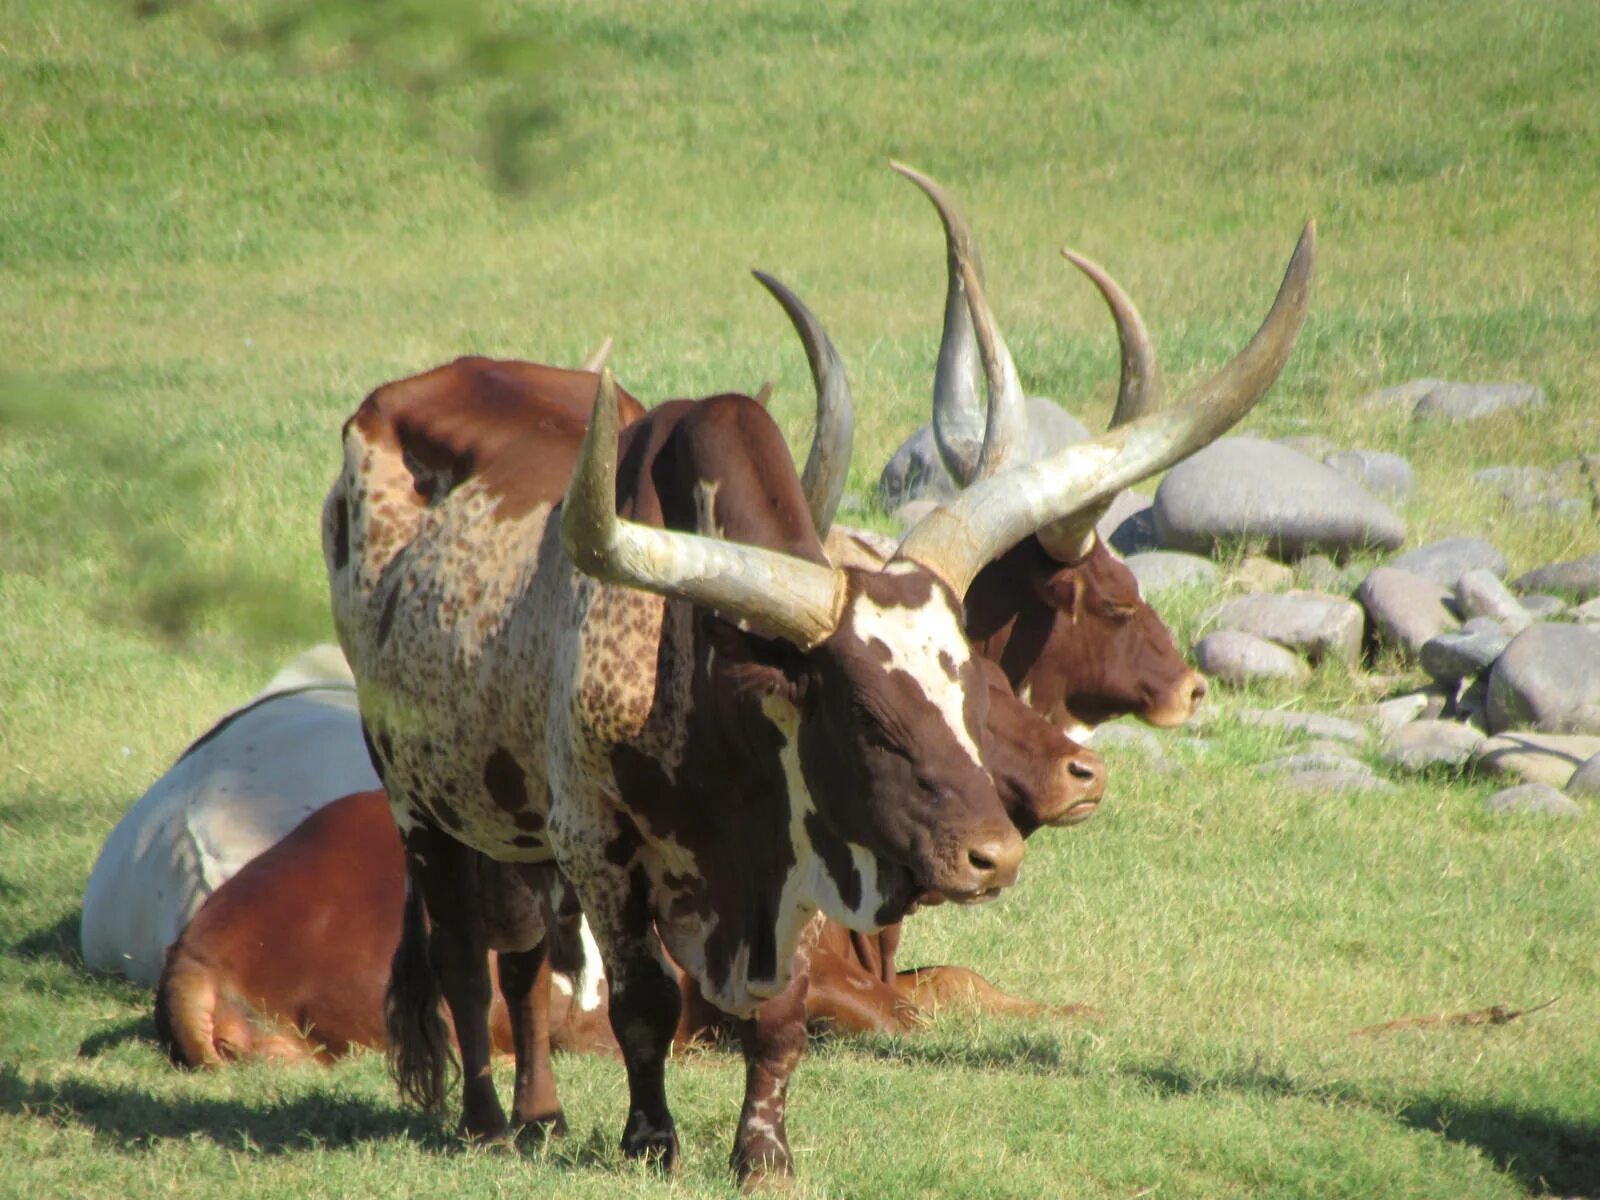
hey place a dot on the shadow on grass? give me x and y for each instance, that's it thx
(135, 1029)
(60, 941)
(1544, 1152)
(134, 1120)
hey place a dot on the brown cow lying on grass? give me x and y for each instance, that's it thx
(290, 958)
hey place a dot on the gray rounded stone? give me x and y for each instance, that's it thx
(1317, 725)
(1317, 625)
(1315, 761)
(1240, 658)
(1542, 606)
(1473, 401)
(1537, 757)
(1453, 656)
(1129, 526)
(1585, 780)
(1381, 473)
(1162, 570)
(1548, 679)
(1537, 799)
(1401, 396)
(1053, 426)
(1579, 577)
(912, 511)
(1446, 560)
(1249, 488)
(1587, 613)
(1479, 593)
(1312, 445)
(1406, 609)
(1123, 735)
(1386, 716)
(1333, 782)
(1423, 744)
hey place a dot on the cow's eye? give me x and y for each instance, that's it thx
(1121, 612)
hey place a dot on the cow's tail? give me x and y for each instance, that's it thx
(186, 1011)
(421, 1056)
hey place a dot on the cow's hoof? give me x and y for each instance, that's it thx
(656, 1146)
(762, 1165)
(488, 1137)
(542, 1127)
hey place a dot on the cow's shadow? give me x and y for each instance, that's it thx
(1545, 1153)
(133, 1119)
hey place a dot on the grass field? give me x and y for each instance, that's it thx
(207, 258)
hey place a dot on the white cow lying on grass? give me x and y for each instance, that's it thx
(238, 790)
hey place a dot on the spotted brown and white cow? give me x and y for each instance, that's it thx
(709, 739)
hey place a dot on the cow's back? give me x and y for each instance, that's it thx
(238, 790)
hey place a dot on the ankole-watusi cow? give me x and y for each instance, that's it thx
(708, 738)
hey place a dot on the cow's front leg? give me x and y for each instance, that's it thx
(645, 1003)
(773, 1041)
(525, 984)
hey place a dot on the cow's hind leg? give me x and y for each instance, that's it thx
(448, 874)
(525, 984)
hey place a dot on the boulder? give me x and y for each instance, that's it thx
(1322, 760)
(1381, 473)
(1587, 613)
(1318, 725)
(1401, 396)
(1162, 570)
(1315, 624)
(1551, 758)
(1386, 716)
(1332, 782)
(1585, 780)
(1548, 679)
(1240, 658)
(1473, 401)
(1445, 561)
(1542, 606)
(1406, 609)
(911, 512)
(1579, 577)
(1317, 573)
(1538, 799)
(1449, 657)
(1479, 593)
(1423, 744)
(1249, 488)
(1129, 525)
(914, 472)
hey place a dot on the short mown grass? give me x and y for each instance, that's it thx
(208, 259)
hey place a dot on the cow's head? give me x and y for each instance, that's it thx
(1064, 613)
(1044, 777)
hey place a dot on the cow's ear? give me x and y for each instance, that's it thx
(1063, 590)
(756, 664)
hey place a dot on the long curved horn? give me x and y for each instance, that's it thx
(956, 420)
(1140, 389)
(955, 541)
(795, 599)
(597, 357)
(828, 463)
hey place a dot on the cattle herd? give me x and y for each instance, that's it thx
(630, 745)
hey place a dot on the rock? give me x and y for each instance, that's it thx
(1403, 395)
(1260, 574)
(1424, 744)
(1129, 525)
(1332, 782)
(1162, 570)
(1381, 473)
(1472, 705)
(1317, 573)
(1447, 560)
(1579, 577)
(1543, 607)
(1124, 735)
(914, 472)
(1319, 761)
(1548, 679)
(1249, 488)
(1310, 724)
(1473, 401)
(1240, 658)
(1551, 758)
(1539, 799)
(1389, 715)
(1406, 609)
(1585, 780)
(1315, 624)
(1479, 593)
(1587, 613)
(1453, 656)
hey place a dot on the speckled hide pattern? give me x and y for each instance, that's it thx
(697, 782)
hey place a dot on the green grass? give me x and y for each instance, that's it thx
(208, 260)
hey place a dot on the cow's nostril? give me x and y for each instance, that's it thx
(980, 860)
(1198, 692)
(1080, 770)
